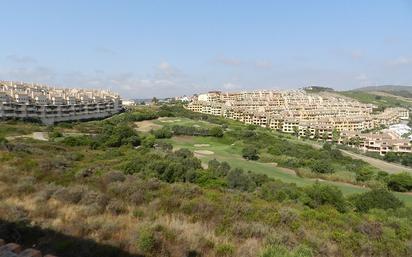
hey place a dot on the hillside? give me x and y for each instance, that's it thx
(162, 181)
(385, 88)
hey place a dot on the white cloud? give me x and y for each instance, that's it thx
(229, 61)
(263, 64)
(230, 86)
(400, 61)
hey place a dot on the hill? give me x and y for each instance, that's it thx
(192, 185)
(385, 88)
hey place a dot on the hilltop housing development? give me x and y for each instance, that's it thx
(316, 116)
(50, 105)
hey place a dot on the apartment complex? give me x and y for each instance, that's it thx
(298, 112)
(381, 143)
(50, 105)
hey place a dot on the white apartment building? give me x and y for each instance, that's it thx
(50, 105)
(295, 111)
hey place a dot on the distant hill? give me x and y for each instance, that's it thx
(385, 88)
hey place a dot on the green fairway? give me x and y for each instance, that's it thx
(232, 155)
(182, 122)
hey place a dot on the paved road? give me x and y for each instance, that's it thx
(389, 167)
(383, 165)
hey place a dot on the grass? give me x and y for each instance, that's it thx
(182, 122)
(380, 101)
(18, 128)
(232, 155)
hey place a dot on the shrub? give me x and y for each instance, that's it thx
(148, 141)
(77, 141)
(250, 153)
(281, 251)
(72, 195)
(321, 166)
(224, 250)
(401, 182)
(376, 199)
(113, 176)
(237, 179)
(216, 132)
(116, 207)
(364, 175)
(26, 185)
(164, 132)
(55, 134)
(146, 241)
(320, 194)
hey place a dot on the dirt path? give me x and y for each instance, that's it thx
(42, 136)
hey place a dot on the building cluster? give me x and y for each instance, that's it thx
(50, 105)
(298, 112)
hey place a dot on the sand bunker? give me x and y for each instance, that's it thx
(201, 145)
(204, 152)
(146, 125)
(170, 121)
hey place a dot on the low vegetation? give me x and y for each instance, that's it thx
(133, 191)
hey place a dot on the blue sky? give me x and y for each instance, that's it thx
(167, 48)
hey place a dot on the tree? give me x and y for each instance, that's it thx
(335, 135)
(325, 136)
(376, 199)
(223, 169)
(296, 131)
(401, 182)
(155, 100)
(250, 153)
(307, 133)
(317, 135)
(391, 157)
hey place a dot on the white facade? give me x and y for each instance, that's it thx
(50, 105)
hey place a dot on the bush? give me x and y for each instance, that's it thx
(146, 241)
(281, 251)
(237, 179)
(376, 199)
(116, 207)
(148, 141)
(72, 195)
(321, 166)
(364, 175)
(320, 194)
(401, 182)
(224, 250)
(216, 132)
(164, 132)
(250, 153)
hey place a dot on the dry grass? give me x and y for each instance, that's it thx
(175, 233)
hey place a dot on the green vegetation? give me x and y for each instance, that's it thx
(157, 194)
(382, 101)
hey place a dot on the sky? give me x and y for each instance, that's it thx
(168, 48)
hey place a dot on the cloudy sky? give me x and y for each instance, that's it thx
(166, 48)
